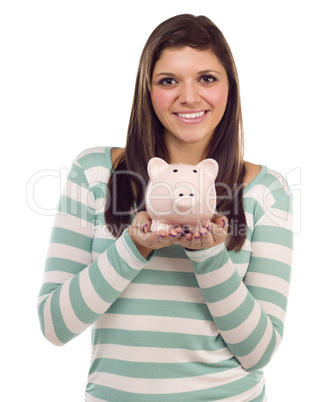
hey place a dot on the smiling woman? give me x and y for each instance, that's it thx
(186, 67)
(177, 316)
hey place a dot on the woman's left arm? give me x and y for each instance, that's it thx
(250, 313)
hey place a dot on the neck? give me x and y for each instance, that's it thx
(190, 154)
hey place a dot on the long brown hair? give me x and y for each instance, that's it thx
(145, 132)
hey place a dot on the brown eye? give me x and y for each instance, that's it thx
(167, 81)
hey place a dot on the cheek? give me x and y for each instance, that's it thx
(161, 100)
(218, 98)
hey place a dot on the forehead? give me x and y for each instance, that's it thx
(187, 58)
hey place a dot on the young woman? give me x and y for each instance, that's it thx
(176, 316)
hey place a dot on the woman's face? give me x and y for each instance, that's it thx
(189, 93)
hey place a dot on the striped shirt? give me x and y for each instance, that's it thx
(181, 325)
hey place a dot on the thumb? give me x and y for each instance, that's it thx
(220, 220)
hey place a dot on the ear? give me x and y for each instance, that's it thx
(210, 165)
(154, 165)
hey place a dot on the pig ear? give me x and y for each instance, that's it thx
(154, 165)
(210, 165)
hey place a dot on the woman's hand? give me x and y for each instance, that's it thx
(211, 235)
(147, 241)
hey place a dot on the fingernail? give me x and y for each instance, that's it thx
(144, 227)
(223, 224)
(203, 232)
(197, 238)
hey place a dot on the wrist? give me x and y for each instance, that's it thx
(143, 250)
(204, 253)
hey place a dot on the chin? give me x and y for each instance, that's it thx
(193, 139)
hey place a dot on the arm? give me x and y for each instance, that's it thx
(75, 289)
(250, 314)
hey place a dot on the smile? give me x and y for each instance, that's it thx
(191, 115)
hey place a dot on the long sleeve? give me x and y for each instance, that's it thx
(249, 312)
(76, 290)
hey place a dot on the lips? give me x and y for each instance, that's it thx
(190, 116)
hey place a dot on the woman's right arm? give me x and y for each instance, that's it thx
(76, 291)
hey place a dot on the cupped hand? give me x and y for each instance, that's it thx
(147, 241)
(214, 233)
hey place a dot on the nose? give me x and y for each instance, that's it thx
(189, 93)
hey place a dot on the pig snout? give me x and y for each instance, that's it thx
(185, 200)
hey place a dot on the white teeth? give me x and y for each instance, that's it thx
(191, 115)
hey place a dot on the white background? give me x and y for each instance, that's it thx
(67, 76)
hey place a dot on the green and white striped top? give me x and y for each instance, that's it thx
(183, 325)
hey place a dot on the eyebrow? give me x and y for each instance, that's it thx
(200, 73)
(210, 71)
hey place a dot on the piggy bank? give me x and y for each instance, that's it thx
(181, 194)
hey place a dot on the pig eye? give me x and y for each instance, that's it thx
(181, 194)
(191, 195)
(175, 170)
(195, 171)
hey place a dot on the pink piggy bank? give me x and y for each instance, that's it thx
(180, 194)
